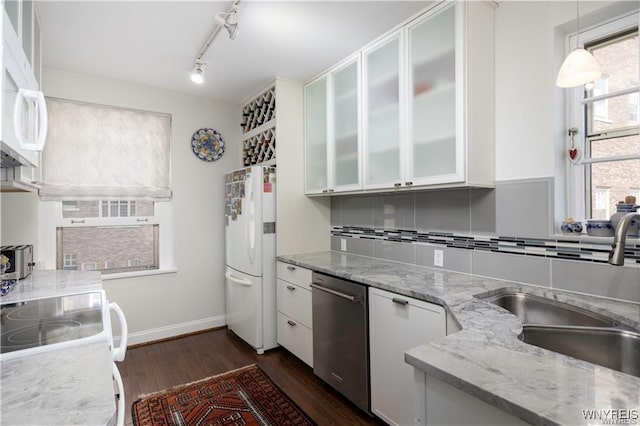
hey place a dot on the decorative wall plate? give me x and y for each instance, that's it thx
(207, 144)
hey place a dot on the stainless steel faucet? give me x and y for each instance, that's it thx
(616, 256)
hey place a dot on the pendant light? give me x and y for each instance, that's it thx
(580, 67)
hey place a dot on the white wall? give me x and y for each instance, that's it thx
(303, 222)
(530, 37)
(194, 296)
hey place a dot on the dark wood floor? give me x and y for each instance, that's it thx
(169, 363)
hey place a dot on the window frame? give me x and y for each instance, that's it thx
(51, 219)
(578, 183)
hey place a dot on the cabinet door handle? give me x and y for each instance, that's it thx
(324, 191)
(408, 183)
(290, 287)
(291, 323)
(331, 190)
(397, 185)
(402, 302)
(291, 268)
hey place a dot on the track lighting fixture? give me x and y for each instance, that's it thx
(228, 20)
(197, 73)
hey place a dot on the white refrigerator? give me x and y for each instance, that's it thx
(250, 255)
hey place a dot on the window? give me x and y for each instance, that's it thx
(634, 107)
(70, 261)
(601, 108)
(606, 113)
(119, 235)
(89, 266)
(124, 208)
(601, 207)
(109, 202)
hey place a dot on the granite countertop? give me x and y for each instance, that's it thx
(62, 387)
(70, 385)
(50, 283)
(485, 358)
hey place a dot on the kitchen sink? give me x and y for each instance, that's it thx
(572, 331)
(612, 348)
(533, 309)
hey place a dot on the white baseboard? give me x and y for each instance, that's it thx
(172, 330)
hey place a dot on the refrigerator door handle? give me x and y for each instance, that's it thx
(251, 220)
(237, 280)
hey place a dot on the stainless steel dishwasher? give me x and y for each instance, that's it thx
(341, 337)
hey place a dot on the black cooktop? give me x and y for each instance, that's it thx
(43, 322)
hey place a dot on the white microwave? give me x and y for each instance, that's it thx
(23, 130)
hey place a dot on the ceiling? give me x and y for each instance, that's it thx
(155, 42)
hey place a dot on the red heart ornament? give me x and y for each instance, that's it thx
(573, 153)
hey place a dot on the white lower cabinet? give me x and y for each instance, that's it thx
(294, 311)
(398, 323)
(444, 405)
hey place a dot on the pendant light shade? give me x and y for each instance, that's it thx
(579, 68)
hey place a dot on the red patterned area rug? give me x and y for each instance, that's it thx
(245, 396)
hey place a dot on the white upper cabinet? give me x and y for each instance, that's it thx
(434, 152)
(427, 106)
(383, 100)
(315, 126)
(344, 144)
(332, 130)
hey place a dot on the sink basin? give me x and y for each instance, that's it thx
(532, 309)
(611, 348)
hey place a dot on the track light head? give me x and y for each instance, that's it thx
(228, 21)
(197, 73)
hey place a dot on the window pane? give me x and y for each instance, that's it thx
(619, 62)
(610, 114)
(91, 209)
(109, 249)
(621, 178)
(615, 146)
(124, 208)
(113, 210)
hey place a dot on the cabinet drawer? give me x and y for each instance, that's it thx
(295, 274)
(295, 302)
(297, 338)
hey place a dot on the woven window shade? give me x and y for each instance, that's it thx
(97, 152)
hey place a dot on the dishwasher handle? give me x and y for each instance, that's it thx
(350, 298)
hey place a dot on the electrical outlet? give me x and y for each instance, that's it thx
(343, 244)
(438, 258)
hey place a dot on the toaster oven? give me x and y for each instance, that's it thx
(20, 261)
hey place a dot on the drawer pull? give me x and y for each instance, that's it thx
(402, 302)
(291, 323)
(291, 268)
(397, 185)
(408, 183)
(290, 287)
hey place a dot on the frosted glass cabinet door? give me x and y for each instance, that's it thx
(382, 114)
(346, 164)
(432, 107)
(316, 136)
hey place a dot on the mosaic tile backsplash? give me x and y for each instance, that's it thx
(508, 232)
(558, 248)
